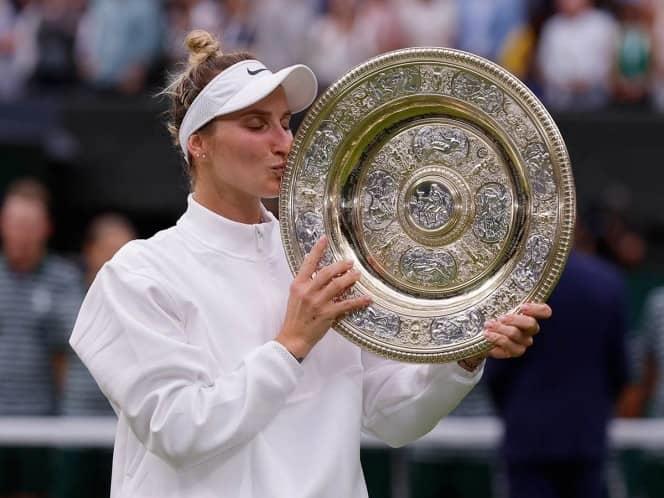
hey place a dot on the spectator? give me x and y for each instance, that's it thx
(658, 55)
(576, 56)
(119, 43)
(431, 23)
(380, 18)
(484, 26)
(87, 473)
(239, 25)
(652, 379)
(336, 42)
(555, 414)
(56, 23)
(518, 50)
(18, 51)
(279, 29)
(39, 298)
(634, 58)
(185, 15)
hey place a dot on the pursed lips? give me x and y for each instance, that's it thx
(278, 169)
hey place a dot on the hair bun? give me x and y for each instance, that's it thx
(201, 45)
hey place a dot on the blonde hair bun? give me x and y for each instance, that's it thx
(201, 46)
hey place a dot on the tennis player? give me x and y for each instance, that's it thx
(216, 360)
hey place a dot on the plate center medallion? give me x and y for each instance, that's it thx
(430, 205)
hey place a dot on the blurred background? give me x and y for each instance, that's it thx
(86, 165)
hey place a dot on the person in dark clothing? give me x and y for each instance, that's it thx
(556, 401)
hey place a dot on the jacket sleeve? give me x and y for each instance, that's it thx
(402, 402)
(131, 337)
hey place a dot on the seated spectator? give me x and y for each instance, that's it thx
(279, 30)
(576, 56)
(40, 295)
(634, 58)
(517, 52)
(56, 23)
(381, 19)
(658, 56)
(336, 42)
(238, 25)
(18, 51)
(185, 15)
(484, 26)
(118, 44)
(429, 23)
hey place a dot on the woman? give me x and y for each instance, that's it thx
(217, 362)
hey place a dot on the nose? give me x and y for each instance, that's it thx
(283, 140)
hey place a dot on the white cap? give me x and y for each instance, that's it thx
(242, 85)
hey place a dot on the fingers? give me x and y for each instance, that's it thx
(499, 353)
(539, 311)
(511, 341)
(512, 334)
(327, 274)
(338, 285)
(524, 322)
(337, 310)
(311, 260)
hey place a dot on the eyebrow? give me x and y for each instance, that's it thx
(261, 112)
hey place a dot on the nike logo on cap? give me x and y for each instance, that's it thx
(256, 71)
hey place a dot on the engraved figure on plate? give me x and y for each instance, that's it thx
(447, 330)
(431, 205)
(440, 144)
(478, 91)
(377, 323)
(539, 166)
(319, 154)
(492, 203)
(308, 229)
(530, 268)
(427, 267)
(379, 200)
(394, 83)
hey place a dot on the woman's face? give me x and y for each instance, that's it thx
(246, 151)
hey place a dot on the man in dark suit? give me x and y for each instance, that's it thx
(556, 401)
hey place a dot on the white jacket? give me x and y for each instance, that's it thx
(178, 331)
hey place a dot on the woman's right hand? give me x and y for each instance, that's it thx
(313, 303)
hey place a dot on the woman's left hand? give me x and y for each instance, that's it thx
(512, 334)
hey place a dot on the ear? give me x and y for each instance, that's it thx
(195, 145)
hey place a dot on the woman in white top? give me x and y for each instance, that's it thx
(218, 363)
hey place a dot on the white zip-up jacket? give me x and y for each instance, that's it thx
(178, 332)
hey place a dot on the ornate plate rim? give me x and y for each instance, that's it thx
(545, 124)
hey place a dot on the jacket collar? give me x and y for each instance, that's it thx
(221, 234)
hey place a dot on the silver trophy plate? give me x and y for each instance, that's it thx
(447, 182)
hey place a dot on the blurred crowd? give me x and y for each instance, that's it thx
(576, 54)
(40, 295)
